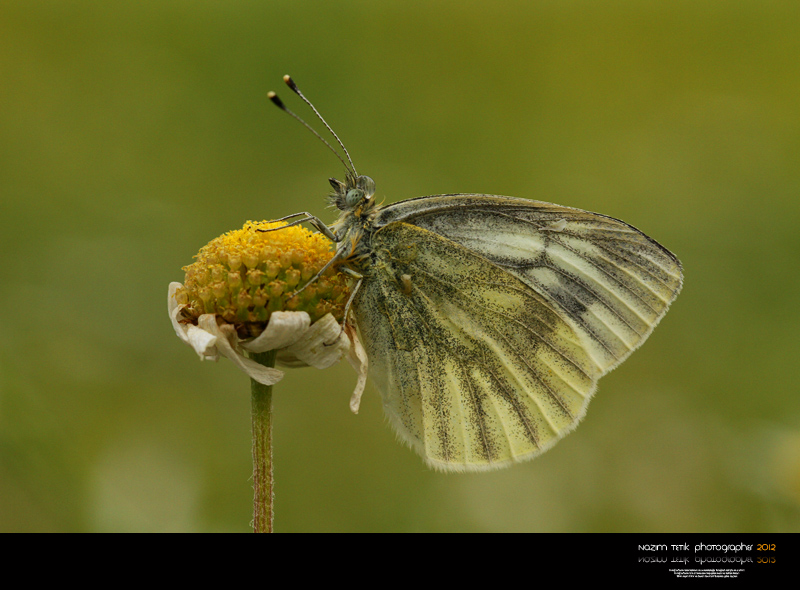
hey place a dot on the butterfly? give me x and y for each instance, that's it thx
(489, 320)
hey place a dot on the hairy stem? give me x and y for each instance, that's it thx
(261, 398)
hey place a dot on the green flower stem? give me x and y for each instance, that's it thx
(261, 397)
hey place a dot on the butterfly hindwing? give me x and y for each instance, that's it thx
(476, 368)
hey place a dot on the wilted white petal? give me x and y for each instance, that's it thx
(284, 329)
(286, 359)
(175, 309)
(323, 345)
(359, 361)
(298, 342)
(204, 344)
(226, 345)
(199, 339)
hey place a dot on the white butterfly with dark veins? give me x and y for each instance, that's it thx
(488, 320)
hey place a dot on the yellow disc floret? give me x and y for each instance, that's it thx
(246, 274)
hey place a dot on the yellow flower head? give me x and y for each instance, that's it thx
(248, 292)
(245, 275)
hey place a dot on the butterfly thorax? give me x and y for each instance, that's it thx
(355, 224)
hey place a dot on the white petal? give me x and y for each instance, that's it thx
(283, 329)
(226, 345)
(199, 339)
(174, 309)
(359, 361)
(203, 343)
(287, 359)
(323, 345)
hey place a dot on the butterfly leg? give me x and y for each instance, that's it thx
(315, 221)
(318, 275)
(289, 217)
(360, 278)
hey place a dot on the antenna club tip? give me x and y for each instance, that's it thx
(289, 82)
(275, 100)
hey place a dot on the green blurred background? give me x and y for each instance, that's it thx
(133, 133)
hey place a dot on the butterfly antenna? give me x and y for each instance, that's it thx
(290, 83)
(279, 103)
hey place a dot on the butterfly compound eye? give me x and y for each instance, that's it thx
(354, 197)
(366, 184)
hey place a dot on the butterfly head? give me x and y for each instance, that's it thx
(353, 194)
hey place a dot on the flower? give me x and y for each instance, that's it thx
(250, 291)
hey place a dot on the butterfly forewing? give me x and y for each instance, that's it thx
(609, 280)
(476, 368)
